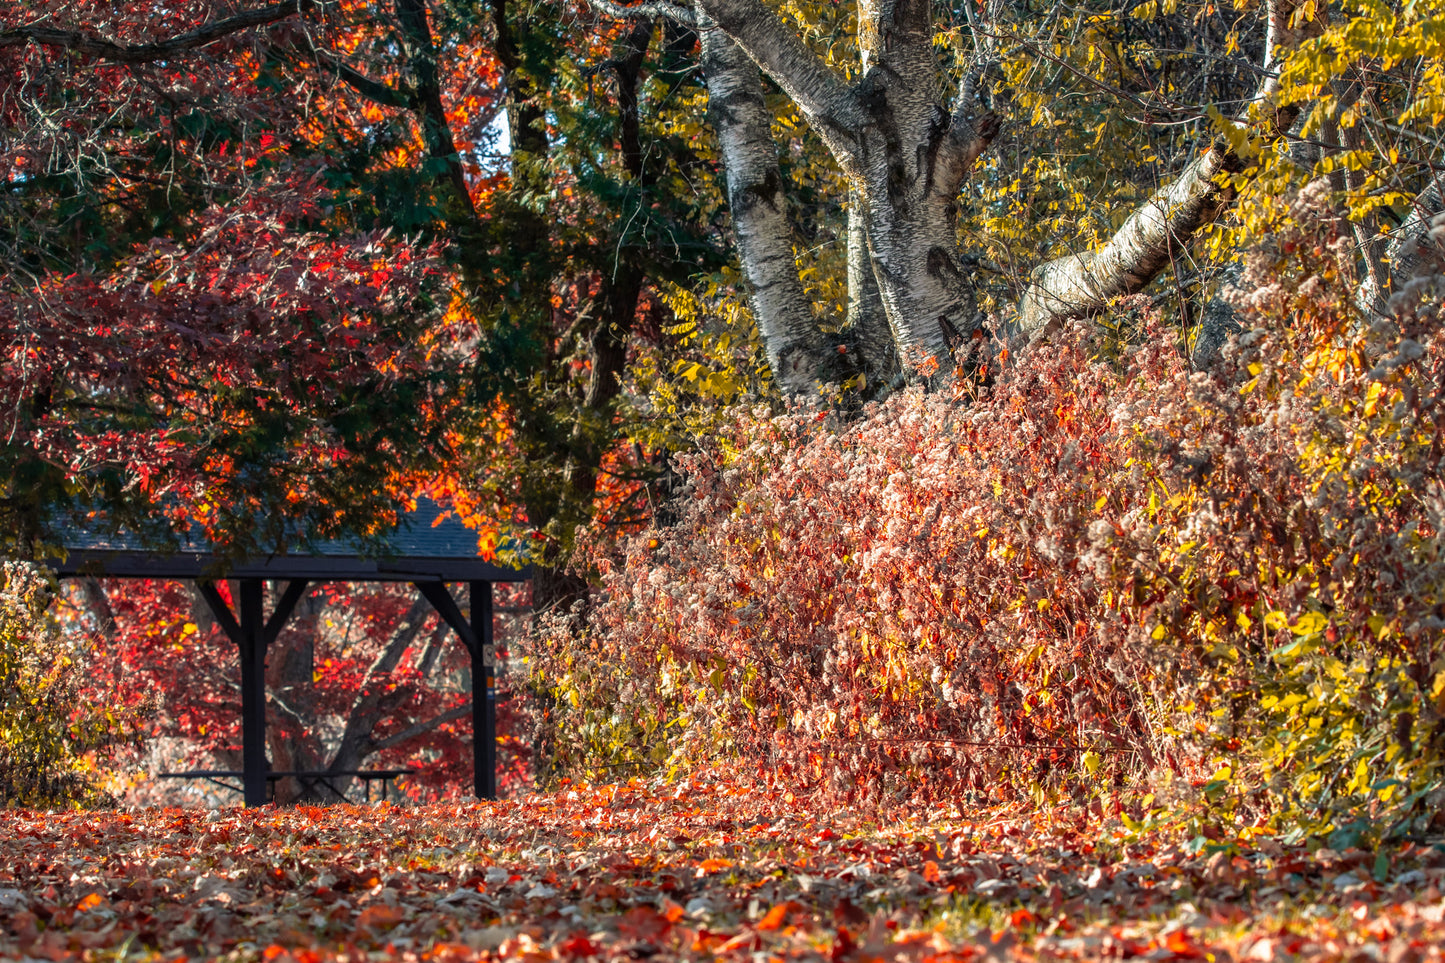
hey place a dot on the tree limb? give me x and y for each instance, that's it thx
(417, 729)
(826, 99)
(427, 102)
(1403, 251)
(103, 49)
(383, 95)
(370, 705)
(1080, 284)
(645, 11)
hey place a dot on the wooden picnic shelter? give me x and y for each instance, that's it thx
(428, 553)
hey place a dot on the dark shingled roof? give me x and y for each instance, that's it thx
(419, 550)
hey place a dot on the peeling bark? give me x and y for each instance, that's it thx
(798, 352)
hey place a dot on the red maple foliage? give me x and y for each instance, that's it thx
(194, 321)
(365, 676)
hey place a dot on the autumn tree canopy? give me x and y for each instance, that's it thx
(1119, 135)
(275, 260)
(496, 236)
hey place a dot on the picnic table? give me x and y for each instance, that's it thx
(311, 780)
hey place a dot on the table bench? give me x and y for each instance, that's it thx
(311, 780)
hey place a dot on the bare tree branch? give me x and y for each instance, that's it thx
(103, 49)
(1079, 284)
(417, 729)
(645, 11)
(825, 97)
(375, 91)
(370, 706)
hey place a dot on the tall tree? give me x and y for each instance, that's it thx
(188, 327)
(1149, 121)
(379, 118)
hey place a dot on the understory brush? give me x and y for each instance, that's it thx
(1090, 574)
(52, 741)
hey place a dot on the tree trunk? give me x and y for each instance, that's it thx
(798, 352)
(867, 326)
(898, 145)
(611, 306)
(911, 162)
(1403, 256)
(375, 701)
(98, 604)
(1146, 243)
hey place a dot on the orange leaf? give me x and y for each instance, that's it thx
(1179, 943)
(777, 915)
(379, 917)
(712, 866)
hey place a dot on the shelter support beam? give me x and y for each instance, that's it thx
(253, 634)
(476, 635)
(484, 693)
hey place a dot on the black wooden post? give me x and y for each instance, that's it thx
(484, 693)
(253, 635)
(253, 693)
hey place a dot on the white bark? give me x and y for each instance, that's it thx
(799, 353)
(906, 154)
(867, 325)
(1079, 284)
(1403, 256)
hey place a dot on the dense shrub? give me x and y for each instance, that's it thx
(1097, 568)
(49, 736)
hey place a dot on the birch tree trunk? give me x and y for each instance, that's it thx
(798, 352)
(1403, 257)
(906, 154)
(867, 325)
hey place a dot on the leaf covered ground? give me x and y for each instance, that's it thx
(649, 871)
